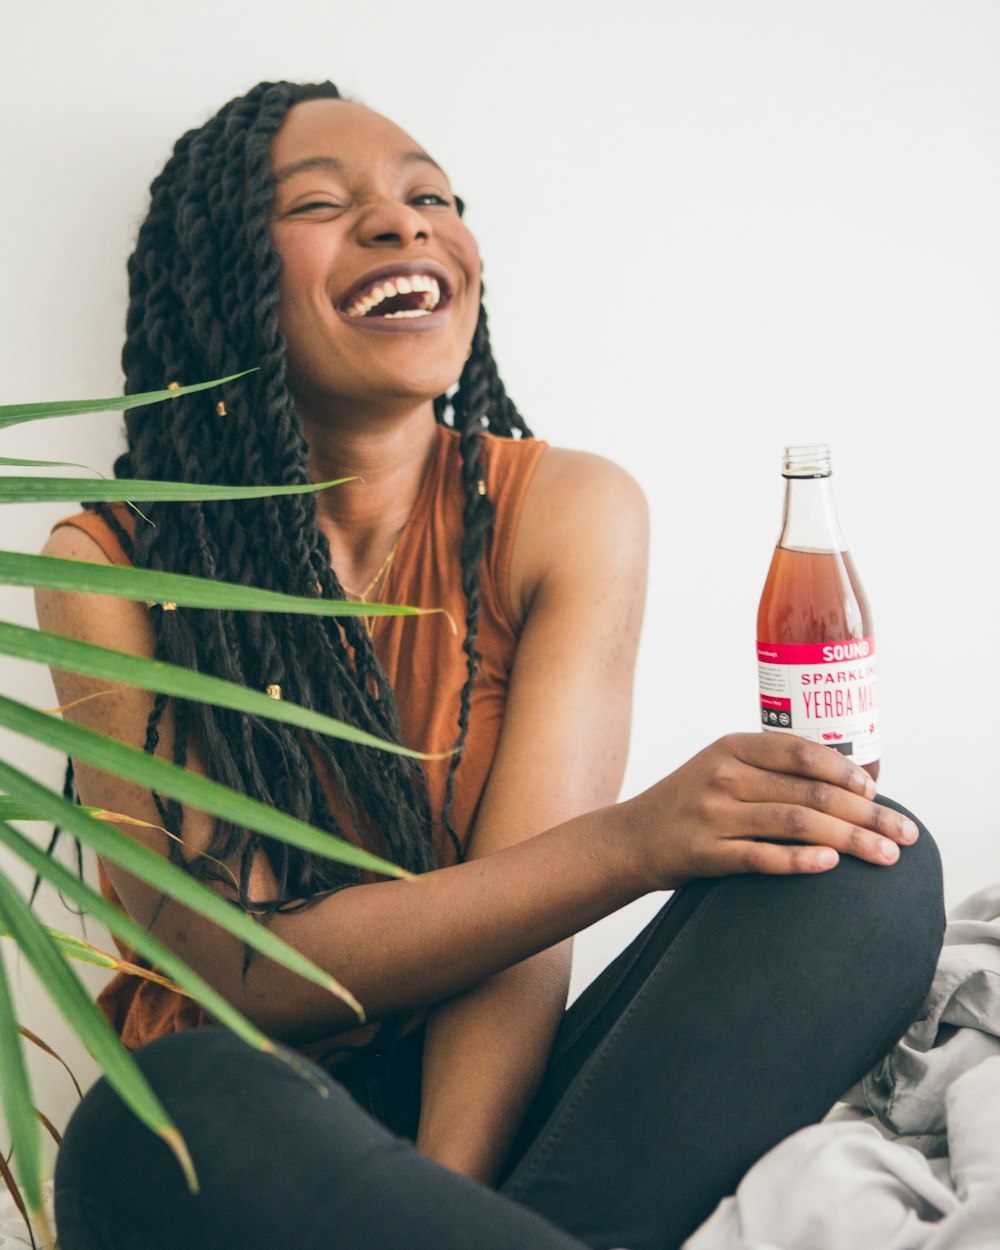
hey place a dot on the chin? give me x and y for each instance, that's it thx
(429, 383)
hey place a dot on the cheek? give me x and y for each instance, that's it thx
(291, 291)
(473, 265)
(473, 261)
(299, 291)
(302, 265)
(472, 312)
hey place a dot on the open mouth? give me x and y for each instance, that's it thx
(396, 297)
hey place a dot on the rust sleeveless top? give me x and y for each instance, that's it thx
(426, 666)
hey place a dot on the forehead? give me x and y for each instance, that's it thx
(340, 129)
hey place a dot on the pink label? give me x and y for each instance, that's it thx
(816, 652)
(825, 691)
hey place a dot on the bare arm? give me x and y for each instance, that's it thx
(402, 945)
(579, 573)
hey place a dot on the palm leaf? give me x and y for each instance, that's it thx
(169, 879)
(7, 1176)
(49, 1127)
(15, 1092)
(55, 573)
(10, 809)
(92, 1028)
(124, 927)
(70, 946)
(83, 952)
(16, 463)
(16, 414)
(60, 652)
(121, 490)
(44, 1046)
(153, 773)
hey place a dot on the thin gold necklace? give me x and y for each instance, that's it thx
(379, 580)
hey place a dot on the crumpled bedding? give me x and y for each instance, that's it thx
(910, 1160)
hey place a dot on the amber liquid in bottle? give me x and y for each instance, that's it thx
(814, 628)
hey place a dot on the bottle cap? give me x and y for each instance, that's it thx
(807, 460)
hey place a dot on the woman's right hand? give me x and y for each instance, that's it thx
(762, 802)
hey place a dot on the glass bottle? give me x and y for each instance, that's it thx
(815, 644)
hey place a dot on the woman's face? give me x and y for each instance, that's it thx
(379, 287)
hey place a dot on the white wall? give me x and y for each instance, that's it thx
(710, 229)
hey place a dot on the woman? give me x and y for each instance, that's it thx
(311, 236)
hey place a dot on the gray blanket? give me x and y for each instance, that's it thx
(911, 1159)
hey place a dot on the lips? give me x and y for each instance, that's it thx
(408, 295)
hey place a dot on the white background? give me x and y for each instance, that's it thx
(709, 229)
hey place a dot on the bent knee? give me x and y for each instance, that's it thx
(221, 1094)
(896, 913)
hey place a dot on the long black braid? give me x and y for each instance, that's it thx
(204, 303)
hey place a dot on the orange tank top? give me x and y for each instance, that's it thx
(425, 664)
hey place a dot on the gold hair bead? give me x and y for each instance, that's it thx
(481, 486)
(173, 386)
(220, 408)
(169, 607)
(273, 691)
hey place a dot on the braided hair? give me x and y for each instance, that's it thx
(204, 303)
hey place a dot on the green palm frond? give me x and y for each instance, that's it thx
(16, 414)
(23, 798)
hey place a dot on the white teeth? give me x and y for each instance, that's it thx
(420, 283)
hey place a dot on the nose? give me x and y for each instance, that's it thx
(391, 223)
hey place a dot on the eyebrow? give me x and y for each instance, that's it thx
(331, 164)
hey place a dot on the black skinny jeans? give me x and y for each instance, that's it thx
(740, 1014)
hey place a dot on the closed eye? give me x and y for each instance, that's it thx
(313, 204)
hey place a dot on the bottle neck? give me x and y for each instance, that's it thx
(810, 518)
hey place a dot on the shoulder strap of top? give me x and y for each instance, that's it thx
(101, 532)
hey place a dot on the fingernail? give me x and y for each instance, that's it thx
(909, 831)
(827, 859)
(889, 849)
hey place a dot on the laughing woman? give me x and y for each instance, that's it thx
(311, 237)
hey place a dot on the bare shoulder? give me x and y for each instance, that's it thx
(120, 623)
(580, 512)
(71, 543)
(581, 480)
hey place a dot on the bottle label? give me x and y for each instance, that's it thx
(824, 691)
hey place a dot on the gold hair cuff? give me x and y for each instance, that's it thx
(273, 691)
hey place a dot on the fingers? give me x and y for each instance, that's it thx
(785, 753)
(796, 791)
(797, 797)
(820, 830)
(772, 859)
(766, 803)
